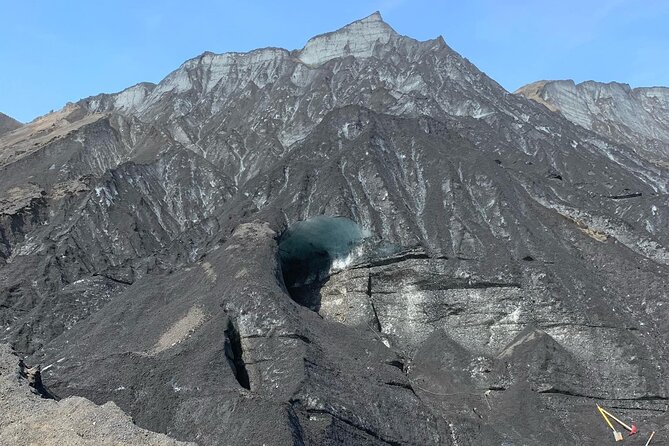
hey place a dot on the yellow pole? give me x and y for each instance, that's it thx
(601, 411)
(617, 435)
(621, 423)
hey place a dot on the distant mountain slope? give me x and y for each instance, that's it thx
(7, 124)
(637, 117)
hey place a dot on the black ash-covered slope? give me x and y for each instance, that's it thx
(512, 275)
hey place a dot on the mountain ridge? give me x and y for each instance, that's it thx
(638, 117)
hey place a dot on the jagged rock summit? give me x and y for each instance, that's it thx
(357, 40)
(490, 269)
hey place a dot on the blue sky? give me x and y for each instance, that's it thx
(55, 52)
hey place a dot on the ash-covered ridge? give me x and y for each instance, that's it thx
(512, 270)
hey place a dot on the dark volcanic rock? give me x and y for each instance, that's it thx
(513, 269)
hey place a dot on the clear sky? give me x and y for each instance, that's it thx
(52, 52)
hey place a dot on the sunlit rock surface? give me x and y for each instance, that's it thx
(513, 269)
(638, 117)
(357, 39)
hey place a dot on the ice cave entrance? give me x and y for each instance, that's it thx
(311, 249)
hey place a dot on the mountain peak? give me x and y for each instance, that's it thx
(374, 17)
(355, 39)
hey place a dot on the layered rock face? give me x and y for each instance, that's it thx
(512, 273)
(636, 117)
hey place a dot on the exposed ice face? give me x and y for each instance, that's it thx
(310, 249)
(357, 39)
(336, 236)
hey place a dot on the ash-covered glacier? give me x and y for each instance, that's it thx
(509, 265)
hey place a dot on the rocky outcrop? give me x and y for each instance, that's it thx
(27, 417)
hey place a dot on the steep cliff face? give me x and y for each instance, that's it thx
(512, 270)
(636, 117)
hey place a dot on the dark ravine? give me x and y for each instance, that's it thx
(235, 354)
(512, 273)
